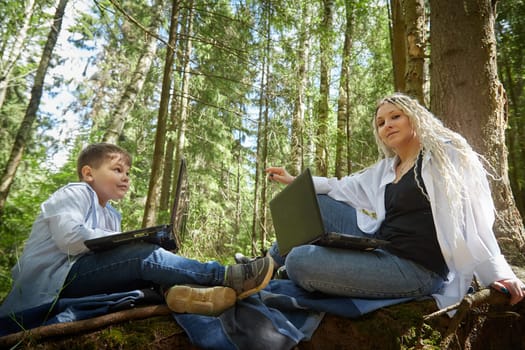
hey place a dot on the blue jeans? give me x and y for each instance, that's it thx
(137, 266)
(354, 273)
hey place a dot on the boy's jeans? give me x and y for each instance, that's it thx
(353, 273)
(137, 266)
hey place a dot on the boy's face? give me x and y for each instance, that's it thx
(110, 180)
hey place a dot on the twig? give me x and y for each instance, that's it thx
(441, 311)
(484, 296)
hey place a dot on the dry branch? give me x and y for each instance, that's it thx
(482, 297)
(62, 329)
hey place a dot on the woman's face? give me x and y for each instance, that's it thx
(394, 128)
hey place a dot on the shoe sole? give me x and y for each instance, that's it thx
(200, 300)
(263, 284)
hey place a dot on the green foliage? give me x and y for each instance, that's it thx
(232, 42)
(510, 31)
(229, 45)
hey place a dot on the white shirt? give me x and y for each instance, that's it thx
(69, 217)
(468, 250)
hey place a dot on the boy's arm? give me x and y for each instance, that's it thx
(69, 213)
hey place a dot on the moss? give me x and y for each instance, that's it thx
(112, 338)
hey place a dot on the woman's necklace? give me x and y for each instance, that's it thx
(403, 167)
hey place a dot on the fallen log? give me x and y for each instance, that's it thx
(483, 320)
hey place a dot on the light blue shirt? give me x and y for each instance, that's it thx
(69, 217)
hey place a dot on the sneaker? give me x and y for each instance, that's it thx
(281, 274)
(200, 300)
(247, 279)
(242, 259)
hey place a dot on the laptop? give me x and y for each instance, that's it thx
(166, 235)
(297, 220)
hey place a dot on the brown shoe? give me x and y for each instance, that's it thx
(247, 279)
(200, 300)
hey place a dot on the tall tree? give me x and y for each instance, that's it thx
(24, 132)
(152, 201)
(179, 111)
(398, 43)
(259, 214)
(342, 163)
(469, 97)
(323, 108)
(299, 105)
(408, 44)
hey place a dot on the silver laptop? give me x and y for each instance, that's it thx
(166, 235)
(297, 220)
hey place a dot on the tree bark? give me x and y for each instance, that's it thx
(398, 44)
(24, 132)
(414, 11)
(342, 162)
(467, 94)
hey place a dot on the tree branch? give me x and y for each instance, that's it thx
(62, 329)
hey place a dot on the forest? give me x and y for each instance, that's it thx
(236, 86)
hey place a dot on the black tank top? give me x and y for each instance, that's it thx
(409, 224)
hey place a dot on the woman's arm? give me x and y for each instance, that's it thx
(279, 174)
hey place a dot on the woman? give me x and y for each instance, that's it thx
(428, 196)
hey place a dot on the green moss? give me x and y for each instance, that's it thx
(113, 338)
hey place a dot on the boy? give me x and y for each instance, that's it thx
(56, 263)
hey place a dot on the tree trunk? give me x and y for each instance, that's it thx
(414, 11)
(343, 102)
(297, 147)
(24, 132)
(134, 87)
(321, 150)
(178, 119)
(257, 220)
(150, 210)
(398, 44)
(467, 94)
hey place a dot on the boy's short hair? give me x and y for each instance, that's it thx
(94, 154)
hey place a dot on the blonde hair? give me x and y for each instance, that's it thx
(433, 137)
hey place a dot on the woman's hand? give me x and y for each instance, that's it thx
(280, 175)
(513, 287)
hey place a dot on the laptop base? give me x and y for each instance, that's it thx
(159, 235)
(341, 240)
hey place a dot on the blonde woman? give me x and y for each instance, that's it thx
(428, 195)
